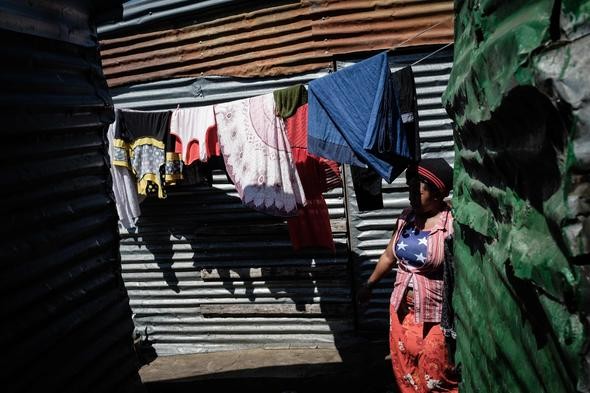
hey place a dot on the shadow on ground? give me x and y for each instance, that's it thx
(365, 370)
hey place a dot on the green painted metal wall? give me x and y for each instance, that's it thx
(519, 95)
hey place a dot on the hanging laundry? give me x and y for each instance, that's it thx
(311, 227)
(388, 136)
(354, 119)
(139, 145)
(258, 156)
(201, 173)
(366, 182)
(331, 170)
(173, 168)
(197, 173)
(407, 99)
(124, 188)
(367, 188)
(197, 133)
(289, 99)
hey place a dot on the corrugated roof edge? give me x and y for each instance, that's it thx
(150, 12)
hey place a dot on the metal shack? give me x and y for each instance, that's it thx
(66, 322)
(203, 272)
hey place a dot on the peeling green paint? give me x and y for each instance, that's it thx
(519, 94)
(495, 40)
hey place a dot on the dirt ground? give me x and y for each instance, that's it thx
(362, 368)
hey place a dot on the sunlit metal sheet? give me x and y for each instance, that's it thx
(186, 92)
(286, 38)
(204, 273)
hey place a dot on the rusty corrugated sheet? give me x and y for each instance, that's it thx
(342, 27)
(275, 40)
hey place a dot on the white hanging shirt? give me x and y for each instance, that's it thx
(196, 130)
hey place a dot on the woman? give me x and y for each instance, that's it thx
(417, 342)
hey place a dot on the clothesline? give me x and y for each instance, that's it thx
(431, 54)
(362, 115)
(419, 34)
(397, 46)
(187, 154)
(265, 156)
(389, 51)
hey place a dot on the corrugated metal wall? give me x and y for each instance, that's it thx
(370, 231)
(205, 273)
(175, 38)
(66, 322)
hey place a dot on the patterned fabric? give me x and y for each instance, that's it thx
(120, 154)
(140, 146)
(258, 156)
(147, 156)
(419, 355)
(173, 168)
(427, 280)
(173, 165)
(412, 247)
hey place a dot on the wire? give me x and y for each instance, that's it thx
(431, 54)
(420, 33)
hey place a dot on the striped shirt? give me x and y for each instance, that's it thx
(427, 280)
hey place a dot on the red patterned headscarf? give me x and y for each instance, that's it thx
(437, 172)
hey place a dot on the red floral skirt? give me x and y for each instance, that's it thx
(418, 353)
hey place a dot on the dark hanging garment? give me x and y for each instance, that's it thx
(447, 323)
(174, 164)
(405, 93)
(140, 145)
(288, 100)
(387, 141)
(201, 173)
(367, 188)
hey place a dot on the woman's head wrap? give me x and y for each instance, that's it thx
(437, 172)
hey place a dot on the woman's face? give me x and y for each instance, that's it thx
(422, 198)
